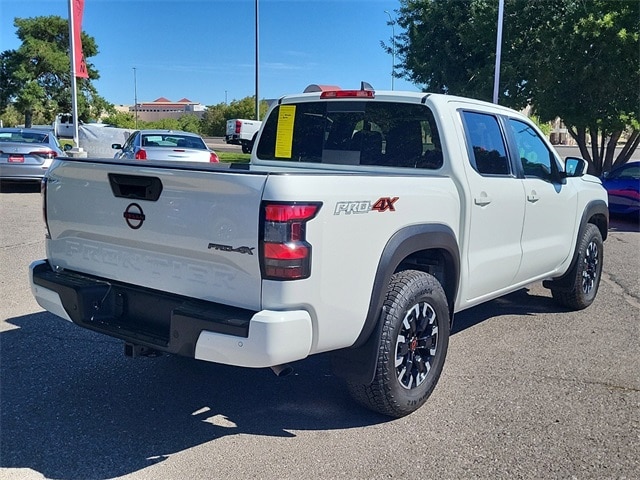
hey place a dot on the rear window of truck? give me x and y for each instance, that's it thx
(352, 133)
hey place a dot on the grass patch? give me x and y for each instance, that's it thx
(233, 157)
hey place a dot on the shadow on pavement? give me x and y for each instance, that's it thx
(521, 302)
(72, 406)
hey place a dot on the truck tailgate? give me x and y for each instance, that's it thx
(231, 127)
(192, 232)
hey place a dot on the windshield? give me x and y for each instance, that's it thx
(352, 133)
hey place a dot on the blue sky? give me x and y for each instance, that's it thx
(205, 50)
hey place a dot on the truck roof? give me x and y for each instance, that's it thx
(390, 96)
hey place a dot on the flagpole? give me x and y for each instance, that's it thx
(72, 52)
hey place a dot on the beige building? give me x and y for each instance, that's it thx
(164, 108)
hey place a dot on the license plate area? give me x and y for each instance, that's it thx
(137, 315)
(16, 158)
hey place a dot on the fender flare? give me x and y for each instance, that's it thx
(597, 213)
(358, 362)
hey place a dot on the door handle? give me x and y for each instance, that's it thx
(533, 197)
(482, 200)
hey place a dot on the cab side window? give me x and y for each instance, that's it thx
(485, 140)
(534, 155)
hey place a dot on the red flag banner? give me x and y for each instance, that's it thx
(80, 66)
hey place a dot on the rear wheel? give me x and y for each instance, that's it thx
(585, 274)
(413, 346)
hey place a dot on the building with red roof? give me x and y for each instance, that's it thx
(162, 108)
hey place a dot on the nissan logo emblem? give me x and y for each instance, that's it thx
(134, 216)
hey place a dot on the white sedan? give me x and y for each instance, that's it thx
(172, 145)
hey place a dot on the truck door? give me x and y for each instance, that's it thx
(496, 207)
(550, 206)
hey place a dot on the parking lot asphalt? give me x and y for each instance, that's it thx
(217, 144)
(529, 390)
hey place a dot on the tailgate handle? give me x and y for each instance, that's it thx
(136, 187)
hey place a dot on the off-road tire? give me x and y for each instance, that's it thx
(413, 345)
(585, 274)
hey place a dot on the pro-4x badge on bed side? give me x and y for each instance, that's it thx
(134, 216)
(383, 204)
(229, 248)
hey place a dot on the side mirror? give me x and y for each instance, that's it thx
(116, 146)
(66, 147)
(574, 167)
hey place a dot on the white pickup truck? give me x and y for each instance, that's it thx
(242, 132)
(363, 223)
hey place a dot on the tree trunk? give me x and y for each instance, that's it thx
(28, 119)
(579, 134)
(596, 156)
(629, 147)
(611, 150)
(599, 158)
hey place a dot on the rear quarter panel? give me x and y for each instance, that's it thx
(347, 237)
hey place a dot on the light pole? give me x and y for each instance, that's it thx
(393, 47)
(496, 72)
(135, 95)
(257, 65)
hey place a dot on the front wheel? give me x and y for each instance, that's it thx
(413, 345)
(585, 274)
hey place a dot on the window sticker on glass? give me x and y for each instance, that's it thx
(284, 135)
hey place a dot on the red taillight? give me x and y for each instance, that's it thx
(238, 126)
(213, 158)
(348, 93)
(285, 253)
(44, 153)
(141, 154)
(277, 212)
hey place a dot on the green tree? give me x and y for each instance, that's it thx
(189, 123)
(163, 124)
(10, 117)
(8, 85)
(36, 77)
(214, 120)
(244, 108)
(121, 120)
(573, 59)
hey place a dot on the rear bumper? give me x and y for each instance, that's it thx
(29, 171)
(172, 323)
